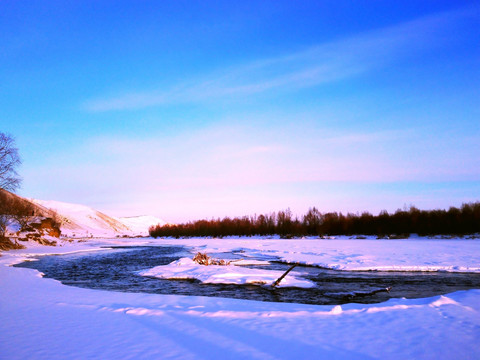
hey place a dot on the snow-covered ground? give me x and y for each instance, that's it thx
(186, 268)
(43, 319)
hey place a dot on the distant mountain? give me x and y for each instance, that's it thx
(140, 224)
(83, 221)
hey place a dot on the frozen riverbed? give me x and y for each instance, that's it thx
(43, 319)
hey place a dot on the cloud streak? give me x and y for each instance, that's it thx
(230, 169)
(209, 158)
(321, 64)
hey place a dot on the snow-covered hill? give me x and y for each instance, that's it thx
(140, 224)
(83, 221)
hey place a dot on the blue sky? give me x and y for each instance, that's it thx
(186, 110)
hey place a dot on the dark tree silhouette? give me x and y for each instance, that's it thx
(9, 161)
(465, 220)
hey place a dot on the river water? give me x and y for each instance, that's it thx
(116, 269)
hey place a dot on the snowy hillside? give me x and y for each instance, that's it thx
(83, 221)
(139, 224)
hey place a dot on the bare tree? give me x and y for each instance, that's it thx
(9, 161)
(5, 207)
(21, 211)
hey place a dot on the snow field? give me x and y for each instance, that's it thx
(43, 319)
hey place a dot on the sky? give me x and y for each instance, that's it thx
(201, 109)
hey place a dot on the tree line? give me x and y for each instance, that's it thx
(454, 221)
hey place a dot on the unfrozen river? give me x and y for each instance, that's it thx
(117, 269)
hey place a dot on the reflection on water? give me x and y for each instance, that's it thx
(117, 270)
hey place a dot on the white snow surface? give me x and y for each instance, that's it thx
(83, 221)
(42, 319)
(186, 268)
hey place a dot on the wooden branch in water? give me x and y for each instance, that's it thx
(284, 274)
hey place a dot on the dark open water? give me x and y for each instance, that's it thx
(117, 269)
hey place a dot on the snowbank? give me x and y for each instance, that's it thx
(186, 268)
(342, 253)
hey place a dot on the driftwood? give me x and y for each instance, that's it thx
(284, 274)
(204, 259)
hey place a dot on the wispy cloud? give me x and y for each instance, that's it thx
(209, 158)
(321, 64)
(223, 169)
